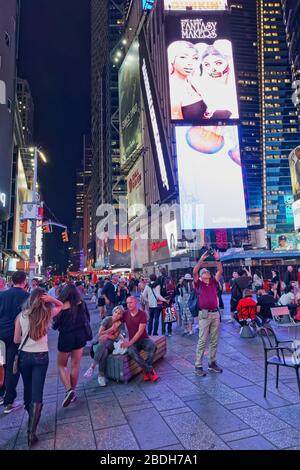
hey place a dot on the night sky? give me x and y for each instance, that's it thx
(54, 56)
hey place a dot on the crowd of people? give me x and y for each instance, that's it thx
(130, 312)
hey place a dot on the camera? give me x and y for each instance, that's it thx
(211, 251)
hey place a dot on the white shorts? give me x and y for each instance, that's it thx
(2, 353)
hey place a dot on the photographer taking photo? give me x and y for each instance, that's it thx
(209, 315)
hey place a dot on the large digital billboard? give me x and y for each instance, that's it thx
(195, 4)
(201, 67)
(294, 161)
(135, 189)
(210, 177)
(130, 104)
(285, 241)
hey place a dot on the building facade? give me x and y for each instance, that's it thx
(26, 109)
(280, 127)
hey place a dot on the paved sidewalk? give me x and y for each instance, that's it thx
(181, 411)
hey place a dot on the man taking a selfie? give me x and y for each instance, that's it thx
(209, 316)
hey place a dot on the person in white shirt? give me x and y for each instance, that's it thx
(152, 296)
(31, 332)
(288, 299)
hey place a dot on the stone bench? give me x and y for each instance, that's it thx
(122, 368)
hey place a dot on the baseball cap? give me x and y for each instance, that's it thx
(188, 277)
(282, 237)
(203, 271)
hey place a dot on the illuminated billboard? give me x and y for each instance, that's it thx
(195, 4)
(135, 189)
(201, 67)
(130, 104)
(210, 177)
(285, 241)
(294, 161)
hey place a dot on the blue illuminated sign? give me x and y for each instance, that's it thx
(147, 4)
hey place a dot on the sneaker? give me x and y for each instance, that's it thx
(185, 333)
(191, 333)
(1, 401)
(153, 376)
(146, 376)
(101, 381)
(200, 372)
(70, 394)
(215, 368)
(74, 398)
(11, 407)
(89, 373)
(231, 320)
(169, 334)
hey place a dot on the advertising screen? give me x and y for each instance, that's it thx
(130, 104)
(294, 161)
(285, 241)
(201, 67)
(195, 4)
(210, 177)
(135, 189)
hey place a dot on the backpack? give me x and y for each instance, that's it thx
(236, 292)
(193, 303)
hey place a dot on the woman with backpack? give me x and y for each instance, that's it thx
(185, 292)
(152, 296)
(31, 332)
(73, 324)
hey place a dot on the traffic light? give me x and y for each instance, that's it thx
(47, 228)
(65, 236)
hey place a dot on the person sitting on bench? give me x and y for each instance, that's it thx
(136, 322)
(247, 310)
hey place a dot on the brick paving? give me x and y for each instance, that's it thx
(181, 411)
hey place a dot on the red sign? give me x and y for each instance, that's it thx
(155, 246)
(134, 180)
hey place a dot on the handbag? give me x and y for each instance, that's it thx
(170, 315)
(16, 364)
(117, 348)
(193, 303)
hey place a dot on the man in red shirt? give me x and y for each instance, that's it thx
(247, 309)
(136, 321)
(209, 315)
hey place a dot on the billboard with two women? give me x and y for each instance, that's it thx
(201, 68)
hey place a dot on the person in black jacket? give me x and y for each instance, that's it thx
(289, 276)
(11, 302)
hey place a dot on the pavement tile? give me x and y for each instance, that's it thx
(234, 436)
(236, 406)
(46, 444)
(233, 380)
(252, 443)
(289, 414)
(216, 416)
(193, 433)
(117, 438)
(181, 386)
(77, 436)
(285, 438)
(106, 414)
(13, 419)
(176, 411)
(256, 394)
(128, 409)
(158, 435)
(221, 392)
(259, 419)
(174, 447)
(8, 438)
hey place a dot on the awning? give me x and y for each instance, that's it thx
(14, 254)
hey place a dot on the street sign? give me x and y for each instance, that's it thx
(23, 247)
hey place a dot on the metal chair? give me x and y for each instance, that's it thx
(280, 359)
(283, 319)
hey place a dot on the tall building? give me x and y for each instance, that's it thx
(26, 107)
(291, 11)
(279, 124)
(107, 29)
(8, 55)
(244, 34)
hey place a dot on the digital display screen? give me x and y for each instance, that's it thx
(285, 241)
(201, 68)
(195, 4)
(210, 177)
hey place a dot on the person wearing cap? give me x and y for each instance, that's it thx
(185, 292)
(209, 315)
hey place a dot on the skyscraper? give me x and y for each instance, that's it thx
(280, 129)
(291, 10)
(26, 107)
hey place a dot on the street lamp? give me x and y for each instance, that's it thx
(35, 151)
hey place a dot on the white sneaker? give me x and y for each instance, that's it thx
(101, 381)
(89, 373)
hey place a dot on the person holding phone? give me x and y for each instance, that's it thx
(209, 315)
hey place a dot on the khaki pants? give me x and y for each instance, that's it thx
(208, 326)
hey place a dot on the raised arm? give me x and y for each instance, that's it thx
(198, 266)
(219, 266)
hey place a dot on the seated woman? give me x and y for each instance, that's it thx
(288, 299)
(246, 310)
(109, 333)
